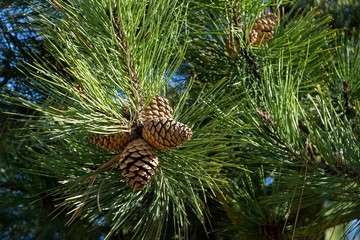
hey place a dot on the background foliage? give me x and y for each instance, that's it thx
(275, 150)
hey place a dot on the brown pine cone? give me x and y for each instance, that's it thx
(138, 163)
(263, 29)
(158, 107)
(114, 142)
(165, 133)
(232, 46)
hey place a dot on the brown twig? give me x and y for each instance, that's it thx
(232, 45)
(334, 170)
(347, 89)
(126, 53)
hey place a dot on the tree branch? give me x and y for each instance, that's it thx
(334, 170)
(127, 56)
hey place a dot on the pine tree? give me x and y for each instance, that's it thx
(192, 120)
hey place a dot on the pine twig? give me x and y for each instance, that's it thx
(127, 56)
(347, 89)
(236, 16)
(233, 18)
(332, 170)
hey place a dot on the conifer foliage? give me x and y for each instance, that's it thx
(170, 119)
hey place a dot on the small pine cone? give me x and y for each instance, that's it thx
(232, 46)
(158, 107)
(114, 142)
(264, 116)
(263, 29)
(138, 163)
(165, 133)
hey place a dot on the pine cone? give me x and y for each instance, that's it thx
(165, 133)
(158, 107)
(232, 46)
(263, 29)
(138, 163)
(114, 142)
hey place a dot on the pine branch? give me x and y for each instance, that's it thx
(233, 14)
(338, 169)
(127, 55)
